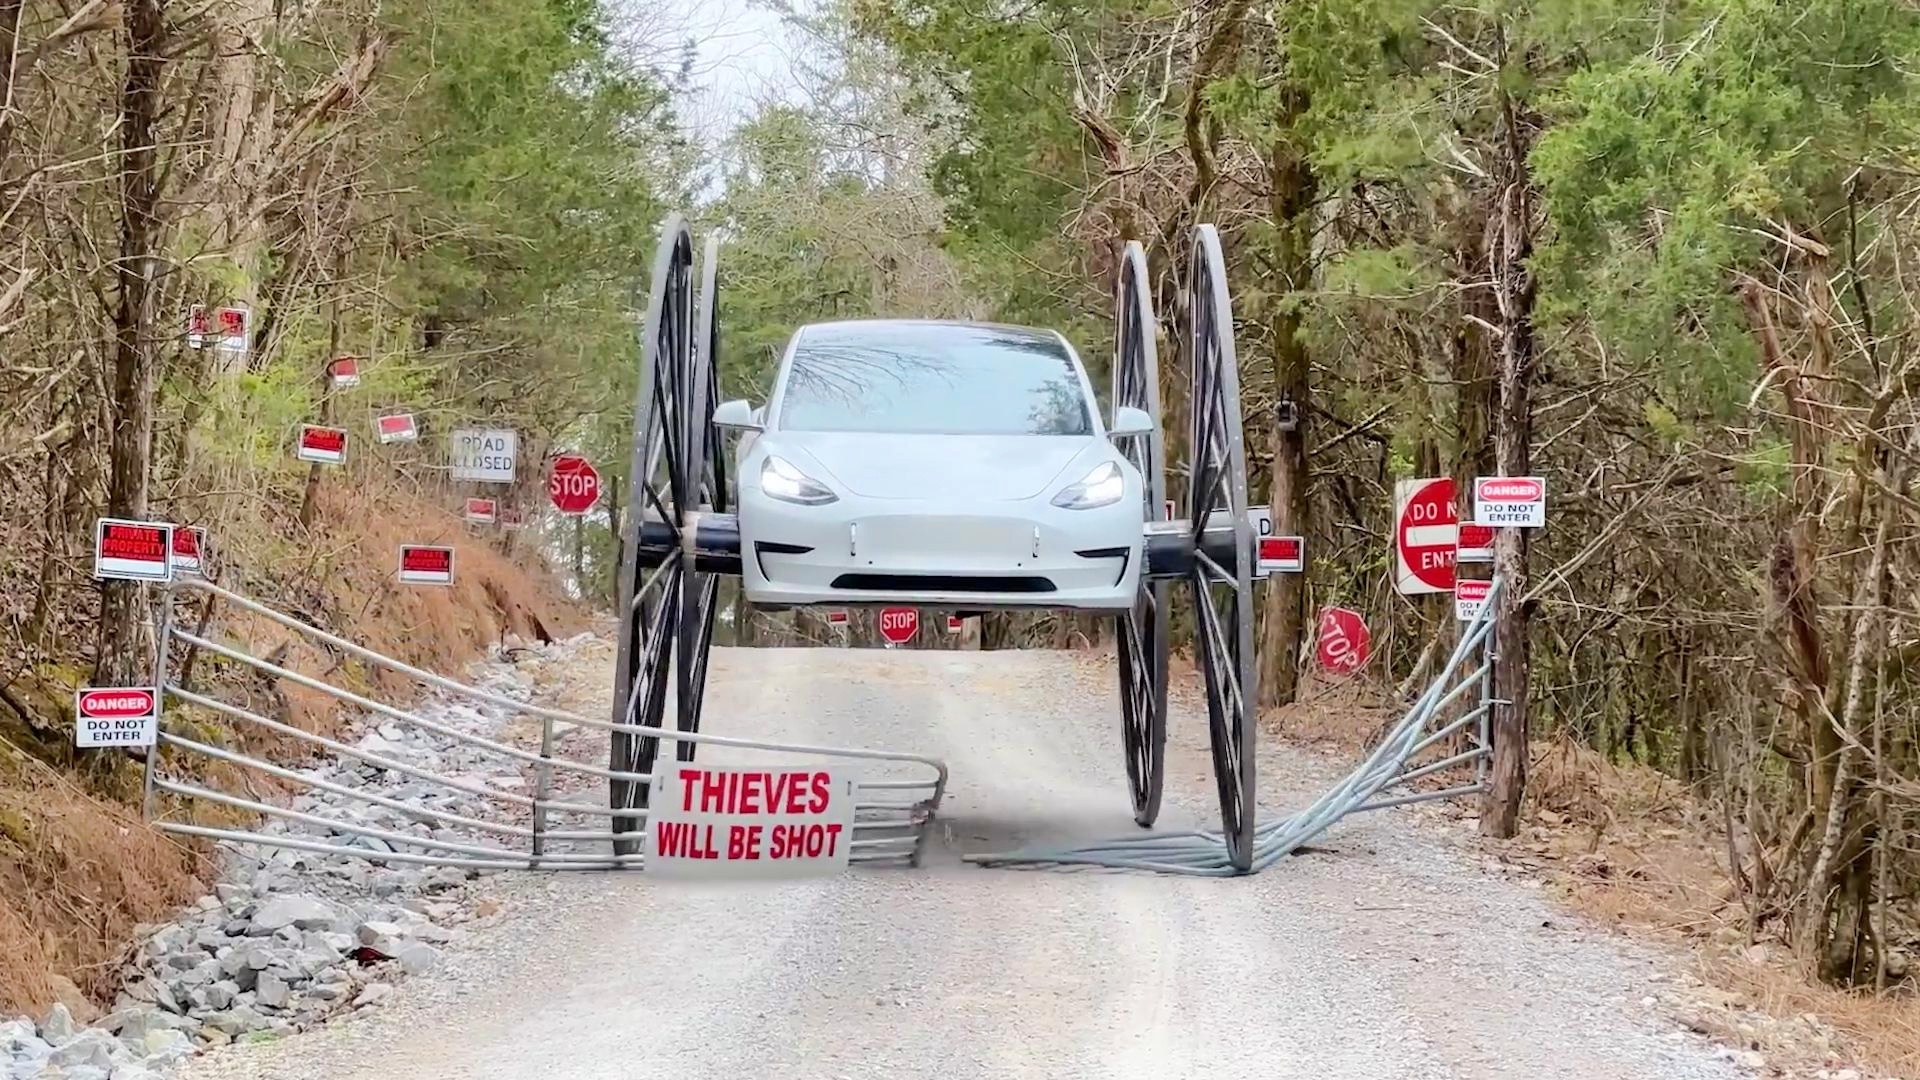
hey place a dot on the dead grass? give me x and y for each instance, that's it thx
(79, 870)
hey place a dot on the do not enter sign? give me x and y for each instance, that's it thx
(899, 624)
(1426, 528)
(573, 485)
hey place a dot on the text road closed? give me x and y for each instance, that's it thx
(749, 822)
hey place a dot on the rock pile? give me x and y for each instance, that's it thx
(290, 938)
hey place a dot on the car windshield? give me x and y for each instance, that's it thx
(933, 379)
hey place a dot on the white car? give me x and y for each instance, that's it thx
(941, 463)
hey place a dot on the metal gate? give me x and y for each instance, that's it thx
(410, 813)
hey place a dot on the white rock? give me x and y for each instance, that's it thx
(271, 991)
(418, 958)
(91, 1047)
(58, 1026)
(302, 912)
(374, 994)
(163, 1048)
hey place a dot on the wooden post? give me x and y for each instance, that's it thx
(1510, 243)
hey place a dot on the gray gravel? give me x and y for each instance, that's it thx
(1386, 954)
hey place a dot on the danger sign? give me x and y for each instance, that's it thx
(1476, 543)
(1469, 598)
(1344, 642)
(132, 550)
(345, 371)
(187, 551)
(481, 455)
(115, 716)
(396, 427)
(421, 564)
(1517, 501)
(483, 511)
(1425, 531)
(749, 822)
(321, 445)
(899, 624)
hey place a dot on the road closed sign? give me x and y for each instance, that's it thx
(1516, 501)
(115, 716)
(132, 550)
(1425, 531)
(424, 564)
(746, 822)
(483, 455)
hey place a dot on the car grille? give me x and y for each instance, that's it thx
(983, 583)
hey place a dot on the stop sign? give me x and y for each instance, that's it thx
(1425, 530)
(1344, 641)
(899, 624)
(573, 485)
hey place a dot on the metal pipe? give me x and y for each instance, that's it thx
(159, 701)
(610, 862)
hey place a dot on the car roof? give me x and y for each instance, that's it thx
(881, 327)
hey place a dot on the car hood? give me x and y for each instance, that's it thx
(989, 467)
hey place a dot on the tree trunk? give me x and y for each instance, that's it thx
(125, 637)
(1294, 189)
(1510, 243)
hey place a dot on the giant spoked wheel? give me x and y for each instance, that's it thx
(707, 490)
(1222, 594)
(1141, 632)
(660, 489)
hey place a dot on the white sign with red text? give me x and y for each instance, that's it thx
(749, 822)
(126, 550)
(1475, 544)
(1469, 596)
(1515, 501)
(396, 427)
(115, 716)
(188, 552)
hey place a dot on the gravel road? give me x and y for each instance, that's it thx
(1387, 953)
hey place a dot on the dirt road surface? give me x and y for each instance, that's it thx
(1388, 954)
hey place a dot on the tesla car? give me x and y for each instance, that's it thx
(934, 462)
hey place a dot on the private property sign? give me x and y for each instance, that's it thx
(749, 822)
(396, 427)
(132, 550)
(483, 455)
(423, 564)
(1518, 501)
(1475, 544)
(322, 445)
(189, 549)
(483, 511)
(1424, 534)
(115, 716)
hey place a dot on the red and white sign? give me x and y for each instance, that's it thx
(322, 445)
(1344, 643)
(744, 822)
(1169, 509)
(955, 624)
(837, 616)
(1515, 501)
(230, 324)
(899, 624)
(422, 564)
(1475, 544)
(510, 517)
(483, 511)
(345, 371)
(132, 550)
(187, 552)
(1281, 555)
(1426, 527)
(396, 427)
(115, 715)
(1469, 597)
(573, 484)
(199, 326)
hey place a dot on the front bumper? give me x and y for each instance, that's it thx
(988, 555)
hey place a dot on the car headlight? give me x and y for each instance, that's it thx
(1101, 487)
(780, 479)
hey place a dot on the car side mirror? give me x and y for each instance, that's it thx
(737, 415)
(1128, 420)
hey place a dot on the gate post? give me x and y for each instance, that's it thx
(162, 639)
(542, 788)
